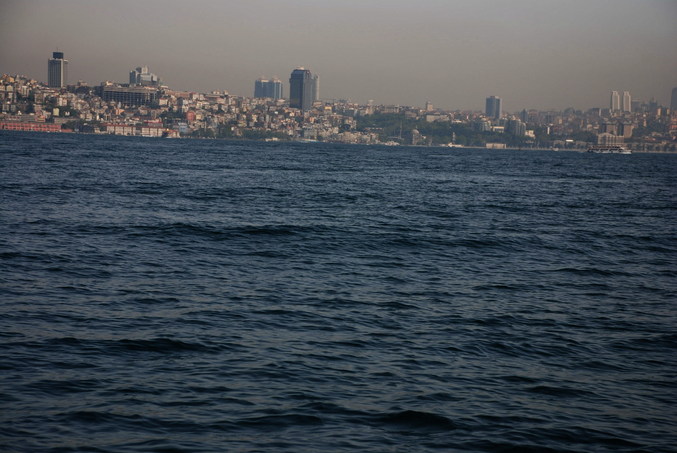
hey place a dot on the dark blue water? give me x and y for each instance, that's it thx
(210, 296)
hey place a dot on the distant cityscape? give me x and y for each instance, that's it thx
(145, 106)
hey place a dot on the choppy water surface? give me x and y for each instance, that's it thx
(207, 296)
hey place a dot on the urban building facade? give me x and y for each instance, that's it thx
(57, 70)
(143, 77)
(627, 102)
(516, 127)
(268, 88)
(615, 102)
(129, 96)
(493, 107)
(303, 89)
(28, 105)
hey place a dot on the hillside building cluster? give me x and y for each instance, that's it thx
(147, 107)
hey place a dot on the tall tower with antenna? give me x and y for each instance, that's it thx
(57, 70)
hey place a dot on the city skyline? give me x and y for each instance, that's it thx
(273, 88)
(540, 55)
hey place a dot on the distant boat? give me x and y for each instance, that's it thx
(609, 149)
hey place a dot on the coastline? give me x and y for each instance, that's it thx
(304, 141)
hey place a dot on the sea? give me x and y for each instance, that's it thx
(161, 295)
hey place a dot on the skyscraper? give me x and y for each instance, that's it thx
(493, 107)
(260, 88)
(615, 103)
(303, 89)
(627, 102)
(316, 87)
(57, 70)
(265, 88)
(673, 101)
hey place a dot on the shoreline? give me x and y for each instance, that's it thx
(305, 141)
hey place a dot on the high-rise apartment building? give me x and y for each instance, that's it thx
(615, 102)
(268, 88)
(627, 102)
(673, 101)
(57, 70)
(493, 107)
(276, 89)
(259, 88)
(303, 89)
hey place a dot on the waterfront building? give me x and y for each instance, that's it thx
(303, 89)
(57, 70)
(493, 107)
(608, 139)
(268, 88)
(141, 76)
(615, 102)
(29, 126)
(627, 102)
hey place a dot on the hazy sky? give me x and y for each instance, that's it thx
(532, 53)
